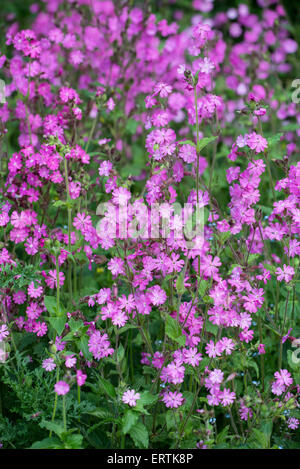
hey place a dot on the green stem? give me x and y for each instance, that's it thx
(55, 401)
(64, 413)
(91, 133)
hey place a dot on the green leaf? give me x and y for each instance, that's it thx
(259, 439)
(266, 428)
(51, 305)
(274, 139)
(73, 441)
(208, 299)
(253, 364)
(120, 353)
(84, 347)
(52, 427)
(223, 435)
(47, 443)
(253, 258)
(75, 325)
(60, 203)
(212, 328)
(180, 284)
(125, 328)
(203, 287)
(58, 323)
(204, 142)
(174, 331)
(187, 142)
(139, 434)
(147, 398)
(131, 126)
(130, 418)
(106, 387)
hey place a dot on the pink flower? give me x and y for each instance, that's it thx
(119, 318)
(34, 292)
(116, 266)
(213, 350)
(227, 397)
(173, 373)
(256, 142)
(130, 397)
(226, 345)
(216, 376)
(80, 377)
(68, 94)
(61, 388)
(121, 196)
(283, 377)
(162, 89)
(70, 361)
(201, 33)
(99, 345)
(59, 344)
(173, 399)
(4, 332)
(245, 412)
(51, 280)
(81, 221)
(285, 274)
(277, 388)
(157, 295)
(293, 423)
(74, 189)
(40, 328)
(105, 168)
(191, 356)
(110, 104)
(48, 364)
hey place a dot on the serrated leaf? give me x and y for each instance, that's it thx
(53, 427)
(223, 435)
(204, 142)
(59, 203)
(58, 323)
(73, 441)
(140, 436)
(180, 284)
(174, 331)
(146, 398)
(51, 305)
(130, 418)
(47, 443)
(83, 345)
(203, 287)
(75, 325)
(107, 387)
(259, 439)
(274, 139)
(187, 142)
